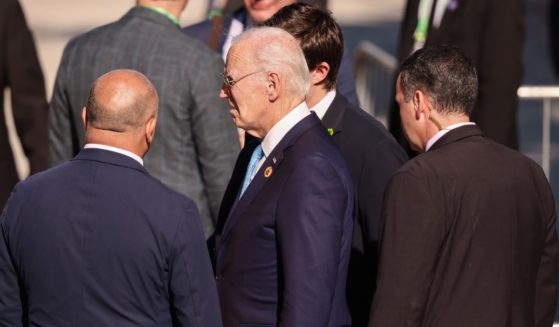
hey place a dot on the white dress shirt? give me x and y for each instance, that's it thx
(236, 28)
(443, 131)
(114, 149)
(322, 106)
(279, 130)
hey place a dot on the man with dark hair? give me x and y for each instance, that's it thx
(371, 153)
(97, 241)
(468, 233)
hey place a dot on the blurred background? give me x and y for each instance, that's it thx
(55, 22)
(377, 22)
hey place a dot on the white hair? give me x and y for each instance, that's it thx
(279, 51)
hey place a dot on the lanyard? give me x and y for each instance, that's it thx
(423, 18)
(165, 13)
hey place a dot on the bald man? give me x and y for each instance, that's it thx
(97, 241)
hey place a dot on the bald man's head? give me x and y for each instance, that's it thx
(121, 101)
(121, 111)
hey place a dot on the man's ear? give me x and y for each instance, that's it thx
(150, 129)
(273, 86)
(84, 117)
(420, 104)
(319, 73)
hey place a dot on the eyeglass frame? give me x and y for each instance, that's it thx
(228, 81)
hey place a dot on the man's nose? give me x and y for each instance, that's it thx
(223, 93)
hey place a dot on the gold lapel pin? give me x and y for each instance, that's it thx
(268, 171)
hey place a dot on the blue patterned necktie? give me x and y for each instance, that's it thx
(257, 154)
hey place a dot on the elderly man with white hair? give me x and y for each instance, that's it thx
(284, 231)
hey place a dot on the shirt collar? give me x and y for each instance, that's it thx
(282, 127)
(235, 29)
(165, 13)
(443, 131)
(114, 149)
(322, 106)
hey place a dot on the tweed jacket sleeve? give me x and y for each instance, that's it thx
(60, 142)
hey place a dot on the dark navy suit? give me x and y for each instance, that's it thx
(283, 252)
(202, 31)
(97, 241)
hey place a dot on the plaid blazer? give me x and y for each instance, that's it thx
(196, 143)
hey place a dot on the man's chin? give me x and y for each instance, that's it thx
(234, 114)
(237, 122)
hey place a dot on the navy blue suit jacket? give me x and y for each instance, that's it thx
(202, 31)
(97, 241)
(372, 156)
(283, 252)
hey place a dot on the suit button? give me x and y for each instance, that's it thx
(218, 278)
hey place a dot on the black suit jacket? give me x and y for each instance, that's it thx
(554, 34)
(21, 73)
(97, 241)
(491, 35)
(469, 239)
(283, 252)
(372, 156)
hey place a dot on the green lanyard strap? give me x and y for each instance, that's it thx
(165, 13)
(423, 17)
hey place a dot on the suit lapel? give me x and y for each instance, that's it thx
(232, 191)
(273, 162)
(335, 115)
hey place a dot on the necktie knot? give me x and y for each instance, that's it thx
(257, 155)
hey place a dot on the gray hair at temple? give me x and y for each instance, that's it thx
(445, 75)
(279, 52)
